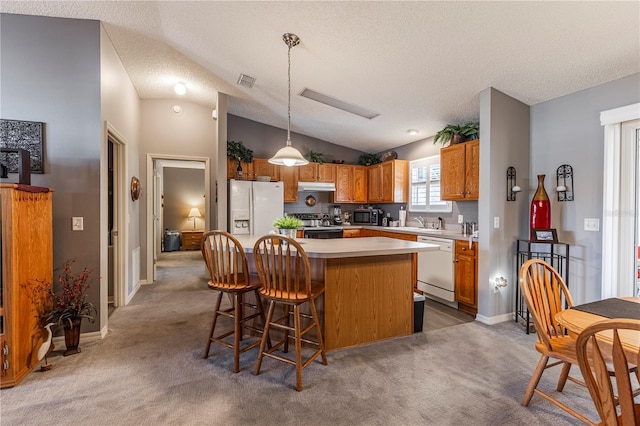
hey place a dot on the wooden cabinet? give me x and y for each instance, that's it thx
(27, 255)
(232, 169)
(191, 240)
(388, 182)
(289, 176)
(460, 171)
(316, 172)
(351, 233)
(398, 235)
(351, 184)
(466, 273)
(262, 167)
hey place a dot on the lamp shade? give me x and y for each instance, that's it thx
(288, 156)
(194, 212)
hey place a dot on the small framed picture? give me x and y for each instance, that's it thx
(544, 236)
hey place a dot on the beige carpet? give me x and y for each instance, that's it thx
(149, 371)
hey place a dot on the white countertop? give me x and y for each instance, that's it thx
(428, 232)
(348, 247)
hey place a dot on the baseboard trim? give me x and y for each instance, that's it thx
(58, 341)
(495, 319)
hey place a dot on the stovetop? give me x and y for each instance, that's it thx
(323, 228)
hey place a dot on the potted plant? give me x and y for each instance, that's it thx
(240, 153)
(315, 157)
(288, 225)
(66, 303)
(368, 159)
(454, 133)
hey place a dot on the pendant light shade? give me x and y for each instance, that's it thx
(289, 156)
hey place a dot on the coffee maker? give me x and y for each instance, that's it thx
(337, 215)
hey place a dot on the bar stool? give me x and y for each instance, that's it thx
(284, 270)
(228, 269)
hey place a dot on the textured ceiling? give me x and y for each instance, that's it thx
(420, 65)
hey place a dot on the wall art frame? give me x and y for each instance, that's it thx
(544, 235)
(20, 134)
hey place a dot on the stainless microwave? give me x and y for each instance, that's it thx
(367, 217)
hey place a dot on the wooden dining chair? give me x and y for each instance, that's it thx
(227, 265)
(285, 273)
(592, 355)
(546, 294)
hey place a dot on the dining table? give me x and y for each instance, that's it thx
(576, 318)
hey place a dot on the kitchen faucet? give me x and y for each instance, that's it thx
(440, 223)
(420, 220)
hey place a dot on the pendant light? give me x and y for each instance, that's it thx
(289, 156)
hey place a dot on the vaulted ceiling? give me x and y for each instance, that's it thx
(419, 65)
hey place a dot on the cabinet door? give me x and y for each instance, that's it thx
(326, 173)
(465, 274)
(452, 172)
(232, 169)
(351, 233)
(289, 176)
(308, 172)
(344, 184)
(472, 170)
(374, 176)
(359, 184)
(262, 167)
(387, 181)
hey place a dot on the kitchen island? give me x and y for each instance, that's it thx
(368, 286)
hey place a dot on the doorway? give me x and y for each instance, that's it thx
(116, 231)
(154, 202)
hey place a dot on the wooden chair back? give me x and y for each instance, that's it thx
(546, 294)
(592, 353)
(283, 268)
(225, 260)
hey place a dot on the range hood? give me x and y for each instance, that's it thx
(316, 186)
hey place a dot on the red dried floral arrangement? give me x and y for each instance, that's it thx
(66, 299)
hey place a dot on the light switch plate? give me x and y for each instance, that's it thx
(77, 223)
(496, 222)
(460, 218)
(591, 224)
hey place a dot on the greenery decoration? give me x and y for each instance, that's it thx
(315, 157)
(468, 131)
(369, 159)
(287, 222)
(239, 152)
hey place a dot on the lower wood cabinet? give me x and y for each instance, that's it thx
(466, 276)
(351, 233)
(191, 240)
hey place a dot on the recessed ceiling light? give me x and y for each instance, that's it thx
(413, 131)
(180, 88)
(177, 109)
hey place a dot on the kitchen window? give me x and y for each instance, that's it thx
(425, 186)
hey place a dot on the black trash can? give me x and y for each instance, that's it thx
(171, 240)
(418, 312)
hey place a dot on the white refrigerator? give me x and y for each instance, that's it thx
(254, 206)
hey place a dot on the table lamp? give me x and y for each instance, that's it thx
(194, 213)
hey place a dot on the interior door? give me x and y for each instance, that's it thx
(157, 215)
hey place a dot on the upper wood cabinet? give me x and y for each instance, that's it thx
(316, 172)
(262, 167)
(351, 184)
(388, 182)
(232, 169)
(460, 171)
(289, 176)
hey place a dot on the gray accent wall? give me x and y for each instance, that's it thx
(50, 72)
(182, 189)
(567, 130)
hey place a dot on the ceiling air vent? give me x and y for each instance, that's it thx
(246, 80)
(336, 103)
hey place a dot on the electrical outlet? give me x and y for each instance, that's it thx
(496, 222)
(592, 225)
(77, 223)
(460, 219)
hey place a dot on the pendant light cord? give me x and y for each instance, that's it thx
(289, 96)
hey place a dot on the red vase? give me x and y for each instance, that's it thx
(540, 217)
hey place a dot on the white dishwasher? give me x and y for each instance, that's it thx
(436, 270)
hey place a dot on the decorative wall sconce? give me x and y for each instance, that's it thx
(512, 188)
(564, 179)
